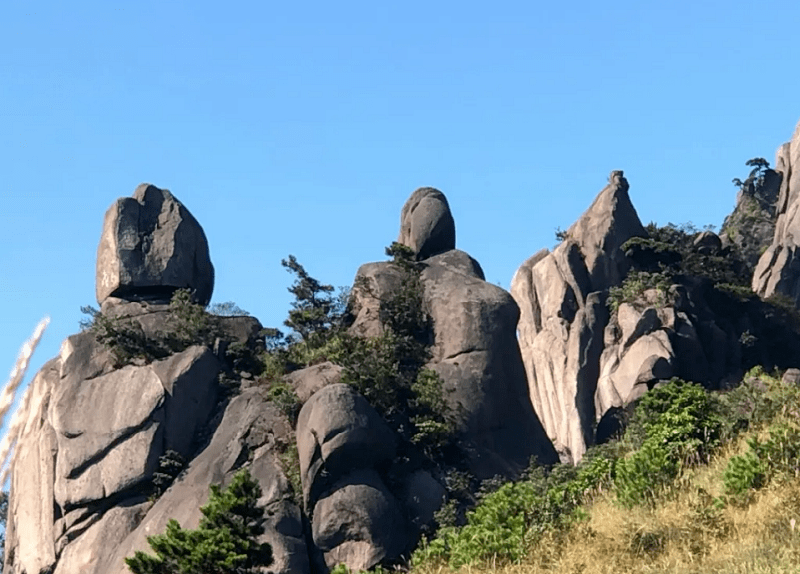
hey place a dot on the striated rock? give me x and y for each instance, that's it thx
(338, 431)
(778, 269)
(250, 428)
(150, 246)
(360, 523)
(561, 296)
(118, 446)
(426, 224)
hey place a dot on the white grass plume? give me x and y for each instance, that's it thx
(10, 391)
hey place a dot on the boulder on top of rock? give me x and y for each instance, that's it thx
(150, 246)
(426, 223)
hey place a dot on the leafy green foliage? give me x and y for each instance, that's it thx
(674, 424)
(777, 455)
(311, 316)
(506, 523)
(670, 250)
(316, 320)
(283, 396)
(224, 542)
(634, 286)
(388, 370)
(744, 473)
(187, 324)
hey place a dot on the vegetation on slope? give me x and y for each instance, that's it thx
(689, 505)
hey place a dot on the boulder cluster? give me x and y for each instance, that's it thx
(543, 372)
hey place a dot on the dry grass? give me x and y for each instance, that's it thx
(7, 399)
(683, 534)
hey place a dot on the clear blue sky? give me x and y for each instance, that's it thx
(302, 128)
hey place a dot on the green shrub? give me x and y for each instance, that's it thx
(507, 522)
(744, 473)
(170, 465)
(633, 287)
(674, 424)
(224, 542)
(283, 396)
(186, 324)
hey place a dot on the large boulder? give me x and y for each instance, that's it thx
(338, 431)
(475, 352)
(150, 246)
(561, 296)
(359, 523)
(341, 442)
(778, 269)
(426, 223)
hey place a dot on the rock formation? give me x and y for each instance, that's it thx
(778, 269)
(95, 432)
(587, 359)
(150, 246)
(102, 422)
(561, 296)
(474, 339)
(751, 225)
(426, 224)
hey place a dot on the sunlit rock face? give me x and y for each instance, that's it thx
(778, 269)
(561, 296)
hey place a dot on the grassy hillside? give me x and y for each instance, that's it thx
(732, 505)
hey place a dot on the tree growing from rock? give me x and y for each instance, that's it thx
(311, 313)
(225, 542)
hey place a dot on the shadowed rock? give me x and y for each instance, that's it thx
(426, 224)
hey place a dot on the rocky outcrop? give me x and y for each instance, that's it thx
(561, 296)
(474, 350)
(778, 269)
(150, 246)
(426, 224)
(95, 430)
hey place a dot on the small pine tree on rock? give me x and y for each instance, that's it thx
(225, 542)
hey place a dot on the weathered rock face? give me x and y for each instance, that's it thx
(561, 296)
(751, 225)
(778, 269)
(426, 224)
(91, 443)
(150, 246)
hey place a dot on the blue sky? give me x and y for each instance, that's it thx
(302, 128)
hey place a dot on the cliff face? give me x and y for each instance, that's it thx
(563, 314)
(778, 269)
(680, 305)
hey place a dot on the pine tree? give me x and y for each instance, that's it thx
(225, 542)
